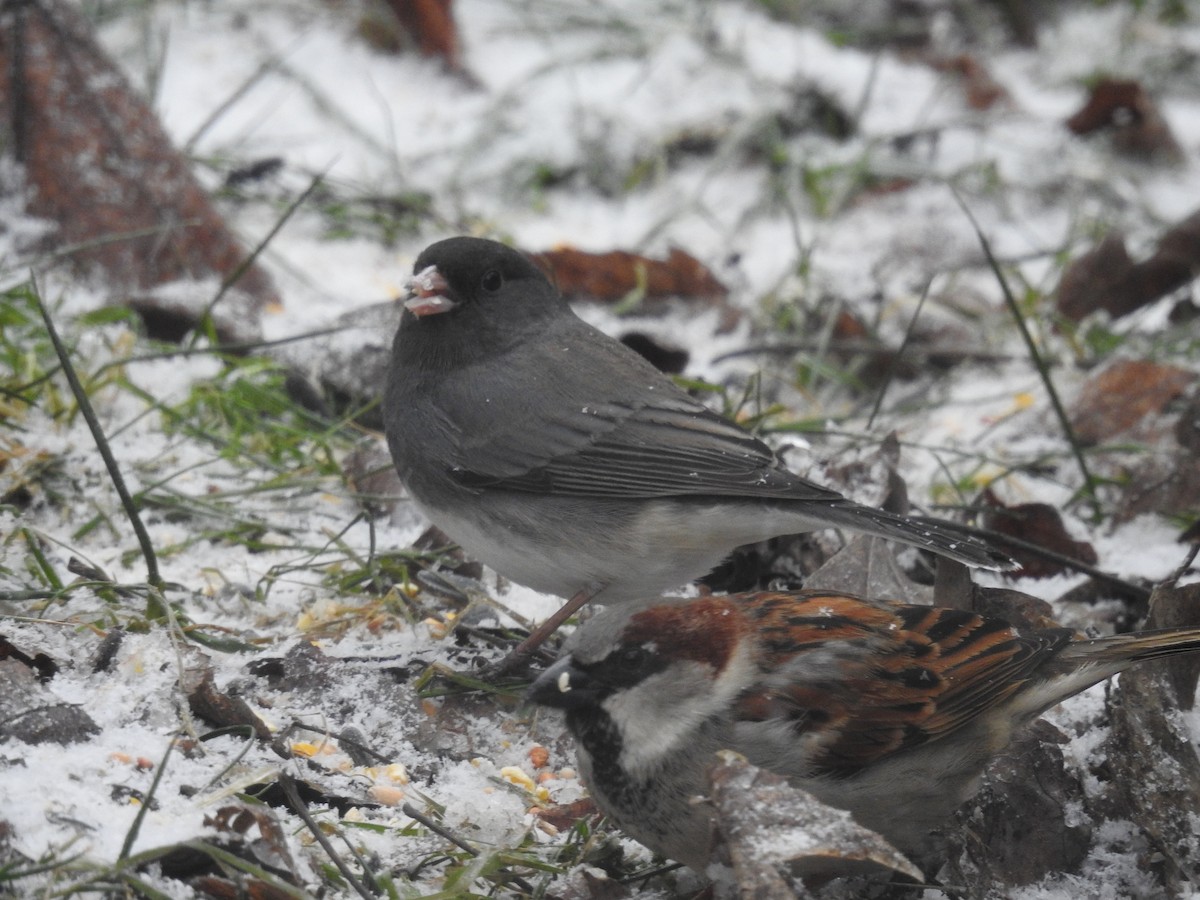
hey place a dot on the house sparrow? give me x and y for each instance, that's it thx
(566, 462)
(887, 710)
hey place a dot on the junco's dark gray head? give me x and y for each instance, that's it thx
(475, 297)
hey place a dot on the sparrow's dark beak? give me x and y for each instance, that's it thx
(563, 685)
(428, 294)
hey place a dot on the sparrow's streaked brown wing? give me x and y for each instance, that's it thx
(858, 681)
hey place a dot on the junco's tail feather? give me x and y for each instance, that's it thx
(940, 536)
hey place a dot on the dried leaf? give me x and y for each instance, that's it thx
(1021, 609)
(858, 349)
(614, 275)
(1127, 112)
(430, 24)
(256, 835)
(218, 708)
(1116, 399)
(1035, 523)
(1105, 278)
(566, 815)
(981, 90)
(101, 166)
(618, 274)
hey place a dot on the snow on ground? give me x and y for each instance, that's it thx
(592, 93)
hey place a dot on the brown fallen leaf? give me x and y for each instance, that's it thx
(981, 90)
(1130, 115)
(1106, 278)
(1021, 609)
(218, 708)
(258, 835)
(101, 167)
(855, 345)
(1034, 523)
(615, 275)
(1122, 395)
(566, 815)
(430, 24)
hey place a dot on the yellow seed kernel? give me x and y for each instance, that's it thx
(386, 794)
(397, 773)
(517, 776)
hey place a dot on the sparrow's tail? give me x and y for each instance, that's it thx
(1121, 650)
(939, 536)
(1080, 664)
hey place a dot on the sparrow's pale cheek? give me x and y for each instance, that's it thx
(663, 713)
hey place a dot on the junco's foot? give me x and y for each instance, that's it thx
(566, 462)
(888, 711)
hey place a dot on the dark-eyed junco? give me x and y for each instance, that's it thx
(886, 710)
(566, 462)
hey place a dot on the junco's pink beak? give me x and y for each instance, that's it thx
(428, 289)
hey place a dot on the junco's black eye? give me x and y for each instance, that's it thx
(492, 281)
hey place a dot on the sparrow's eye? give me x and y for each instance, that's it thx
(633, 657)
(492, 281)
